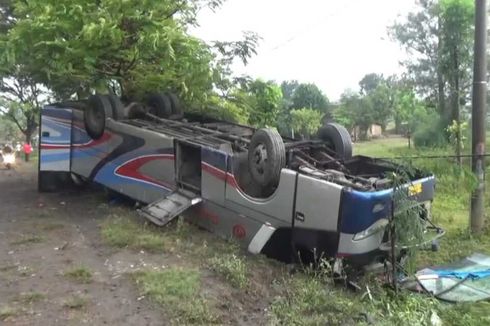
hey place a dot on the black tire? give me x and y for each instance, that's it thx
(266, 157)
(177, 108)
(160, 105)
(135, 111)
(117, 107)
(337, 138)
(98, 110)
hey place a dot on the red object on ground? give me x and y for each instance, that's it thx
(27, 148)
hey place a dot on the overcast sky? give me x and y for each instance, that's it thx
(330, 43)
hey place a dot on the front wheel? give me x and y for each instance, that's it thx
(266, 157)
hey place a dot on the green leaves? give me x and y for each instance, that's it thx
(306, 121)
(71, 45)
(264, 100)
(309, 96)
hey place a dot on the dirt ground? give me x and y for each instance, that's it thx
(42, 236)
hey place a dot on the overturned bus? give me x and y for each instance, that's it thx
(276, 195)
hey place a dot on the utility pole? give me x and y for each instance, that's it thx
(478, 114)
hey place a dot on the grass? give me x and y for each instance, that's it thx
(177, 291)
(27, 239)
(383, 147)
(306, 300)
(312, 300)
(79, 274)
(30, 297)
(6, 312)
(123, 232)
(232, 267)
(75, 302)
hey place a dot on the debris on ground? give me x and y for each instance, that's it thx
(467, 280)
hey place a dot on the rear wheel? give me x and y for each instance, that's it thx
(336, 138)
(160, 105)
(118, 112)
(135, 111)
(266, 157)
(99, 108)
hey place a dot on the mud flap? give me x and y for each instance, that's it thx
(164, 210)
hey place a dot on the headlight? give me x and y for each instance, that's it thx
(377, 226)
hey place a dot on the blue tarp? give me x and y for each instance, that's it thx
(466, 274)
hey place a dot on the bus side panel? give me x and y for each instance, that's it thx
(142, 167)
(55, 144)
(88, 153)
(133, 161)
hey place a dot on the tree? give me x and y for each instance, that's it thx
(130, 47)
(21, 100)
(8, 130)
(6, 15)
(439, 37)
(355, 111)
(370, 82)
(377, 91)
(305, 121)
(419, 34)
(284, 114)
(288, 87)
(457, 36)
(309, 96)
(264, 99)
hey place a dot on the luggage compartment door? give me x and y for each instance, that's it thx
(188, 166)
(166, 209)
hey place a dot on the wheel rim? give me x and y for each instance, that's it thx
(260, 158)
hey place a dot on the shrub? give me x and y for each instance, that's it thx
(430, 132)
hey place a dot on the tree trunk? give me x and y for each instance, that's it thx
(440, 79)
(398, 125)
(30, 129)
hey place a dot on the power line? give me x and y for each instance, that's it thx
(319, 21)
(429, 157)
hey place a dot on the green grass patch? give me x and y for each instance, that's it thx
(30, 297)
(307, 300)
(123, 232)
(6, 312)
(80, 274)
(27, 239)
(232, 267)
(383, 147)
(75, 302)
(177, 291)
(311, 300)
